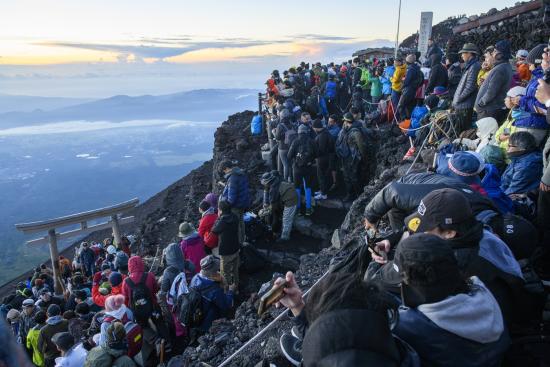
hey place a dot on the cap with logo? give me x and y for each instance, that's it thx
(440, 208)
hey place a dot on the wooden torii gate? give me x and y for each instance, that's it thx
(51, 225)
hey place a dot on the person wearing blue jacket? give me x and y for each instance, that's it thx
(524, 172)
(216, 303)
(447, 319)
(535, 120)
(385, 78)
(236, 192)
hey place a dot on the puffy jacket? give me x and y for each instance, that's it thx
(193, 249)
(324, 144)
(136, 269)
(99, 299)
(522, 174)
(331, 89)
(386, 79)
(338, 338)
(417, 115)
(461, 330)
(397, 78)
(32, 345)
(46, 346)
(103, 356)
(405, 194)
(438, 74)
(529, 103)
(175, 264)
(226, 228)
(466, 91)
(413, 79)
(206, 223)
(215, 303)
(493, 90)
(236, 190)
(491, 184)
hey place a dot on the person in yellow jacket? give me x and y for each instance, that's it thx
(397, 81)
(32, 338)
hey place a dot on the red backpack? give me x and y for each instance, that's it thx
(134, 334)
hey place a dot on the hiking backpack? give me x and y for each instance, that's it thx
(305, 154)
(134, 334)
(313, 105)
(178, 287)
(189, 308)
(331, 90)
(142, 302)
(290, 136)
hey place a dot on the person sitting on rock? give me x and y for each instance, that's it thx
(72, 352)
(281, 199)
(113, 351)
(210, 283)
(100, 291)
(522, 176)
(209, 215)
(329, 328)
(448, 320)
(448, 214)
(191, 244)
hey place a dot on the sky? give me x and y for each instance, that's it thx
(94, 48)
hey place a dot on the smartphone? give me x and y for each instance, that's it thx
(506, 131)
(371, 243)
(271, 297)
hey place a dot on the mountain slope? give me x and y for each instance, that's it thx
(11, 103)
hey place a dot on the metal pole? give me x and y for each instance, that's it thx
(115, 225)
(397, 35)
(54, 254)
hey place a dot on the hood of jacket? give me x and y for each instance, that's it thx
(174, 256)
(338, 338)
(494, 250)
(135, 265)
(209, 211)
(474, 316)
(234, 171)
(54, 320)
(486, 127)
(435, 59)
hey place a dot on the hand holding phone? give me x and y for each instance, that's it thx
(271, 297)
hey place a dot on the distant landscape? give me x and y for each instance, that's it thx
(57, 158)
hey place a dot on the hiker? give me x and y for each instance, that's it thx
(448, 320)
(490, 98)
(413, 79)
(26, 321)
(302, 155)
(329, 328)
(54, 324)
(228, 243)
(87, 259)
(438, 74)
(523, 174)
(11, 354)
(112, 353)
(139, 289)
(334, 128)
(285, 133)
(330, 92)
(236, 192)
(73, 354)
(210, 283)
(46, 299)
(533, 119)
(466, 90)
(543, 202)
(209, 215)
(32, 338)
(433, 49)
(351, 149)
(281, 201)
(522, 76)
(448, 214)
(102, 290)
(502, 136)
(115, 309)
(397, 83)
(454, 72)
(324, 147)
(486, 129)
(191, 244)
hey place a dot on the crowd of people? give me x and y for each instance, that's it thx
(450, 285)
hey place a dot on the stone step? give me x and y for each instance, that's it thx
(306, 227)
(333, 204)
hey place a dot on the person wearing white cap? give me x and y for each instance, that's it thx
(507, 128)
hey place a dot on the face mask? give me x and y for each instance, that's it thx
(519, 114)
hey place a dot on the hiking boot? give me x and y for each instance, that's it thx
(410, 154)
(320, 196)
(309, 212)
(291, 348)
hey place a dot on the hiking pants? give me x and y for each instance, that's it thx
(288, 219)
(283, 158)
(239, 213)
(300, 174)
(229, 268)
(395, 101)
(323, 173)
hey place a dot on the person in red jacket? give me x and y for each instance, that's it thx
(136, 268)
(98, 295)
(209, 217)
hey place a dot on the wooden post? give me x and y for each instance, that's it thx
(54, 254)
(116, 229)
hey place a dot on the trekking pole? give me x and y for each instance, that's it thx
(263, 331)
(419, 151)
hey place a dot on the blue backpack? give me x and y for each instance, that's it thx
(330, 91)
(256, 125)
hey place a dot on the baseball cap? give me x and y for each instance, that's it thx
(428, 269)
(439, 208)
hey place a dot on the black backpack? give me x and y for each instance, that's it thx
(305, 154)
(312, 105)
(142, 302)
(189, 308)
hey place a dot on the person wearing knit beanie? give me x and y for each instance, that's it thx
(410, 59)
(535, 55)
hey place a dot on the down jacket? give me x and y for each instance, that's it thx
(522, 174)
(529, 103)
(236, 190)
(404, 195)
(465, 94)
